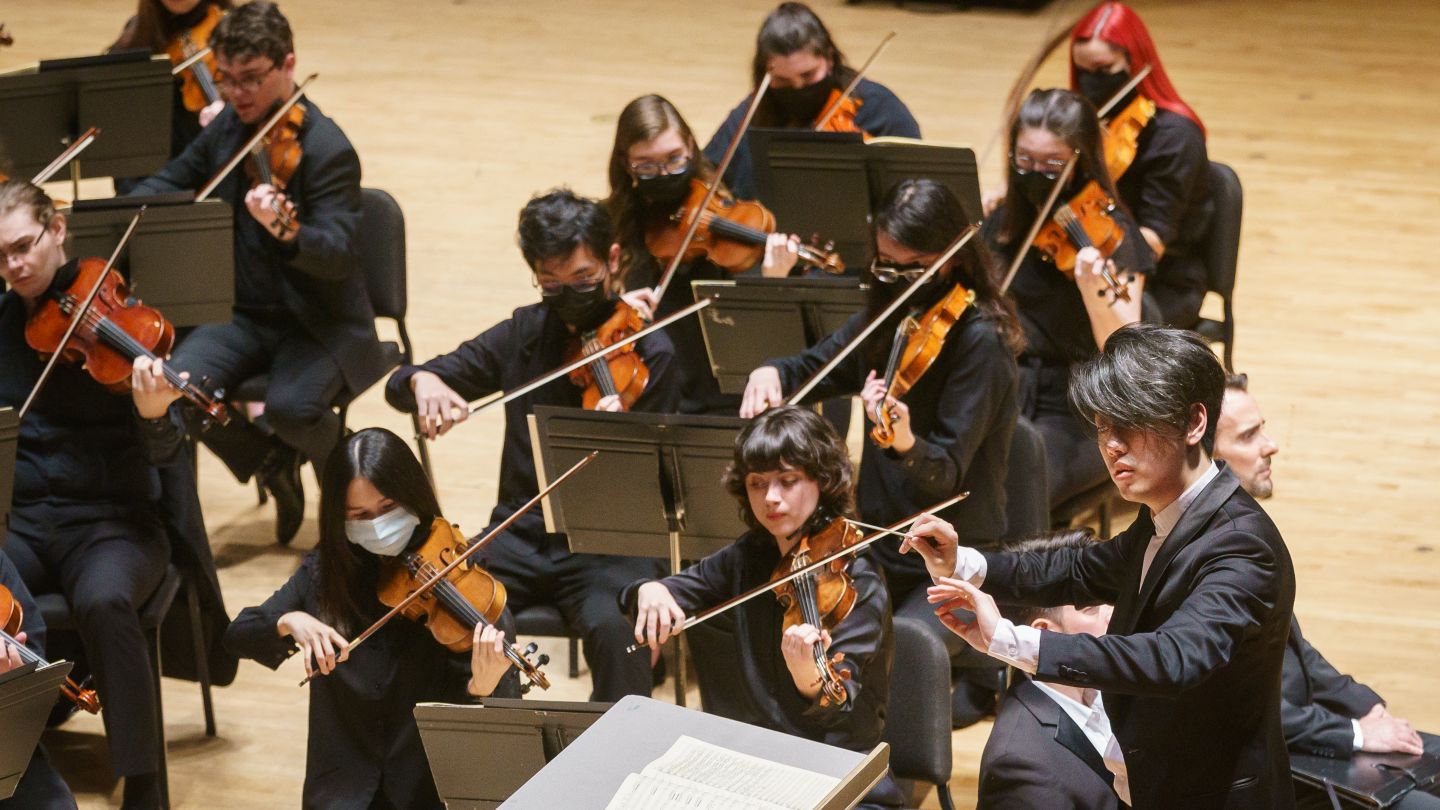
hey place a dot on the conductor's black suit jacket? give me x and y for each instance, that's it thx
(1191, 667)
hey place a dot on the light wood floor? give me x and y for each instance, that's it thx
(465, 108)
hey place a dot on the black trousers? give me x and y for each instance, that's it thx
(40, 788)
(106, 559)
(304, 380)
(585, 588)
(1311, 798)
(1072, 458)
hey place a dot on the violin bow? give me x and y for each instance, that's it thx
(474, 547)
(79, 315)
(1119, 94)
(862, 544)
(854, 83)
(264, 130)
(1027, 74)
(501, 397)
(712, 189)
(1041, 217)
(71, 152)
(965, 236)
(192, 59)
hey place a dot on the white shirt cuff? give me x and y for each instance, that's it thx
(970, 565)
(1018, 646)
(1359, 737)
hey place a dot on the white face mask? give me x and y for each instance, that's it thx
(384, 536)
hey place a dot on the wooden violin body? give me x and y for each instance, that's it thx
(923, 341)
(197, 82)
(821, 599)
(275, 160)
(621, 373)
(731, 234)
(1085, 221)
(1122, 134)
(12, 618)
(840, 118)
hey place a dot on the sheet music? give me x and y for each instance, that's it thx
(696, 775)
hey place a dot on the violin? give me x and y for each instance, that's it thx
(468, 597)
(12, 616)
(731, 234)
(821, 598)
(916, 345)
(619, 373)
(273, 161)
(1122, 134)
(839, 114)
(116, 330)
(1085, 221)
(197, 82)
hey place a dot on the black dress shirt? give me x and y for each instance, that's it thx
(1167, 186)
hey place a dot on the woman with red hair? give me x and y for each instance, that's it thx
(1165, 187)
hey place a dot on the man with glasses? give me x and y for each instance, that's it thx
(569, 243)
(302, 313)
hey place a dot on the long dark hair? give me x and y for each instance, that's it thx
(925, 216)
(385, 460)
(153, 26)
(796, 437)
(1071, 118)
(790, 28)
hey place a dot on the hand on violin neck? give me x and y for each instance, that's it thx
(322, 647)
(610, 403)
(936, 542)
(657, 615)
(10, 654)
(950, 594)
(782, 251)
(874, 397)
(262, 202)
(488, 662)
(762, 392)
(150, 391)
(209, 111)
(798, 648)
(642, 301)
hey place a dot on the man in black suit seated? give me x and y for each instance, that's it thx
(1323, 711)
(1049, 745)
(1202, 586)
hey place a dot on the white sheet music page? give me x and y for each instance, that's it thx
(696, 775)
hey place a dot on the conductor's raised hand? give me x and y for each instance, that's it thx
(657, 615)
(950, 594)
(437, 404)
(936, 542)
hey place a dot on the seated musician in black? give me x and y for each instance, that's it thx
(364, 748)
(807, 70)
(953, 428)
(569, 244)
(84, 518)
(653, 165)
(40, 787)
(302, 313)
(1066, 320)
(791, 476)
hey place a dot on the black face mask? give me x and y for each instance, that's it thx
(1035, 186)
(803, 104)
(1100, 87)
(667, 191)
(582, 310)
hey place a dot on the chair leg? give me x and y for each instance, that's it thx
(202, 658)
(261, 496)
(163, 773)
(423, 447)
(943, 791)
(1229, 337)
(574, 657)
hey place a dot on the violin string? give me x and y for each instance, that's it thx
(122, 341)
(457, 604)
(810, 610)
(600, 370)
(27, 655)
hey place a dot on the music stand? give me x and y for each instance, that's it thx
(890, 160)
(514, 738)
(757, 319)
(127, 95)
(9, 441)
(181, 259)
(638, 730)
(668, 467)
(26, 696)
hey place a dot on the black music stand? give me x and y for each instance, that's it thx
(127, 95)
(757, 319)
(181, 259)
(26, 696)
(9, 441)
(654, 490)
(514, 738)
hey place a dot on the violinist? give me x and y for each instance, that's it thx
(808, 72)
(40, 787)
(953, 427)
(654, 166)
(364, 747)
(1066, 319)
(84, 517)
(569, 244)
(1166, 186)
(302, 312)
(159, 26)
(791, 477)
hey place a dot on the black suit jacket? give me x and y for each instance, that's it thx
(1191, 666)
(1317, 702)
(1037, 757)
(318, 276)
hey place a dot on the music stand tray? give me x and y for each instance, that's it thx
(26, 698)
(9, 442)
(757, 319)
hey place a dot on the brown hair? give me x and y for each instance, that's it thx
(153, 26)
(791, 28)
(254, 29)
(16, 193)
(799, 438)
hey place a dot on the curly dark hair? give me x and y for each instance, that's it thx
(797, 438)
(254, 29)
(554, 224)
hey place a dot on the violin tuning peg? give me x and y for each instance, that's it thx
(531, 648)
(524, 688)
(542, 660)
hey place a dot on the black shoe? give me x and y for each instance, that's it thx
(281, 478)
(142, 792)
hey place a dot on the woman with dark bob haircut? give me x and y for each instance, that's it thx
(364, 750)
(791, 475)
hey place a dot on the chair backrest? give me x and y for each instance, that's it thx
(1027, 490)
(381, 245)
(917, 724)
(1221, 246)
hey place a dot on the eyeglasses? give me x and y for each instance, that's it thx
(891, 273)
(584, 284)
(650, 170)
(249, 83)
(22, 248)
(1048, 169)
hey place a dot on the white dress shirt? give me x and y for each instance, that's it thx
(1096, 724)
